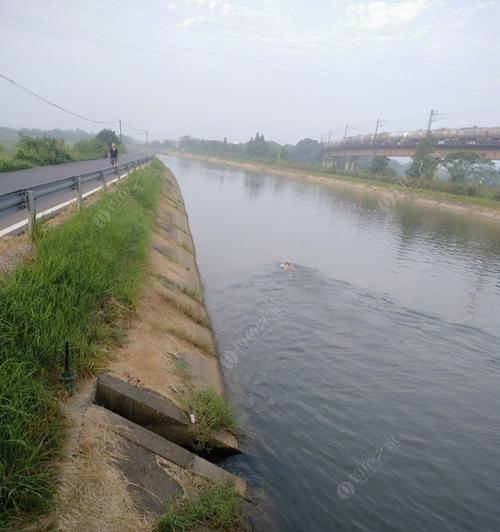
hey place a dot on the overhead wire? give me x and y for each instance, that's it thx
(409, 62)
(354, 78)
(53, 104)
(64, 109)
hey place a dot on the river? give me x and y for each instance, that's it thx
(367, 380)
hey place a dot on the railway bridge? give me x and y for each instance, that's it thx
(484, 141)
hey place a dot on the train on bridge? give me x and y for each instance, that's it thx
(445, 136)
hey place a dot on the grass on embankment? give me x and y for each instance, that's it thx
(81, 285)
(215, 507)
(212, 414)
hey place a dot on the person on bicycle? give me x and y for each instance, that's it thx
(113, 154)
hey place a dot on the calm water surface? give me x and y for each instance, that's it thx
(367, 381)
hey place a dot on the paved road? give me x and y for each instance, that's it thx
(23, 179)
(20, 179)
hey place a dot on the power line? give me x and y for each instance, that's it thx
(68, 111)
(409, 62)
(134, 128)
(360, 79)
(210, 52)
(274, 36)
(53, 104)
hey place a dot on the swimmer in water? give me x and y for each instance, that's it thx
(287, 266)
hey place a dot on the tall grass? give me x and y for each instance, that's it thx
(212, 414)
(215, 508)
(85, 276)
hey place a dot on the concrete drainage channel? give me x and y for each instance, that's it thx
(157, 433)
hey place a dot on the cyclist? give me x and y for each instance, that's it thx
(113, 154)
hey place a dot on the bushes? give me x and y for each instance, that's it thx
(85, 276)
(8, 164)
(462, 188)
(46, 150)
(89, 149)
(42, 151)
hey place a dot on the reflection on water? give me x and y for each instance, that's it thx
(367, 380)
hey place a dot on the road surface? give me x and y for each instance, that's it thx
(21, 179)
(24, 179)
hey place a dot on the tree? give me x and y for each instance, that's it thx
(107, 136)
(424, 164)
(379, 164)
(257, 147)
(307, 150)
(468, 166)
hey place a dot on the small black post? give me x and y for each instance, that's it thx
(67, 378)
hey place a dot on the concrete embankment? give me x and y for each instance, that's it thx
(131, 440)
(388, 193)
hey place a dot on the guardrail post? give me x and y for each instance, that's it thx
(31, 207)
(101, 177)
(79, 193)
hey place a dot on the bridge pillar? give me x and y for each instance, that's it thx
(349, 165)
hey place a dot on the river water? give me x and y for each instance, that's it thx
(367, 381)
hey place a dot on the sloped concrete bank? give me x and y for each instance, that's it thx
(131, 439)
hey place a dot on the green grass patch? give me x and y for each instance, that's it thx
(215, 507)
(185, 333)
(189, 291)
(81, 287)
(192, 309)
(212, 413)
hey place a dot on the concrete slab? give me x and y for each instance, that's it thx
(153, 443)
(155, 413)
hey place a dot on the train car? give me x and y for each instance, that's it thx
(416, 135)
(494, 133)
(383, 136)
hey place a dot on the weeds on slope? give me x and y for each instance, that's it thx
(215, 507)
(212, 414)
(83, 281)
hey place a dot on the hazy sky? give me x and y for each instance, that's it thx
(286, 68)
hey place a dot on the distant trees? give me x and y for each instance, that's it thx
(379, 164)
(108, 136)
(306, 150)
(257, 147)
(469, 166)
(424, 164)
(90, 149)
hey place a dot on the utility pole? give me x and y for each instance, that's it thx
(433, 115)
(330, 136)
(376, 130)
(147, 137)
(120, 122)
(346, 130)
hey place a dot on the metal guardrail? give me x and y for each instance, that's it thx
(26, 199)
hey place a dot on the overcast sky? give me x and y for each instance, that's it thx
(287, 68)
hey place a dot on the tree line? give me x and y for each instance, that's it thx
(44, 150)
(466, 173)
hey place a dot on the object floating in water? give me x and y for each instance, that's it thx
(287, 265)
